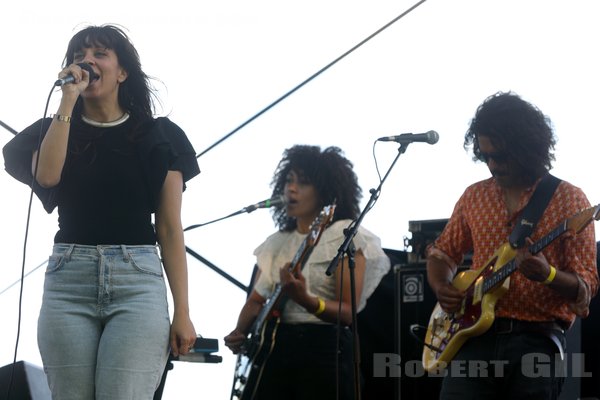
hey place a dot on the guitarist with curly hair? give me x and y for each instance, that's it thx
(292, 351)
(498, 318)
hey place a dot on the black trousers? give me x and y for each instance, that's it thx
(512, 360)
(302, 365)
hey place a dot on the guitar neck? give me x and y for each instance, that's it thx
(276, 300)
(549, 238)
(507, 269)
(299, 253)
(266, 310)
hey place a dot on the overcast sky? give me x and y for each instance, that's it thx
(220, 63)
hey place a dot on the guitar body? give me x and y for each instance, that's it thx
(447, 332)
(258, 346)
(483, 287)
(250, 363)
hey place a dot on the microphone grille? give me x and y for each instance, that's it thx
(279, 200)
(432, 137)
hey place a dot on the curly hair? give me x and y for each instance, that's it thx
(328, 171)
(135, 93)
(517, 127)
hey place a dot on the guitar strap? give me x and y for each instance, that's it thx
(527, 221)
(533, 211)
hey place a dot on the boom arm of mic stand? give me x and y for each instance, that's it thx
(351, 231)
(217, 269)
(208, 263)
(215, 220)
(8, 128)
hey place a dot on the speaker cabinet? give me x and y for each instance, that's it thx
(390, 355)
(376, 327)
(414, 303)
(28, 382)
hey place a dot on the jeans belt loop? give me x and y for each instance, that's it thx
(69, 252)
(125, 253)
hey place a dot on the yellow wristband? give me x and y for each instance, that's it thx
(62, 118)
(321, 307)
(551, 276)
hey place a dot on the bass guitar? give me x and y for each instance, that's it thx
(483, 287)
(261, 340)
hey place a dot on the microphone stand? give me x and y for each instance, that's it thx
(217, 269)
(209, 264)
(347, 248)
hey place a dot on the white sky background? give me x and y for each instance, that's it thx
(222, 62)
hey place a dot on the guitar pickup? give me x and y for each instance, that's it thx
(478, 290)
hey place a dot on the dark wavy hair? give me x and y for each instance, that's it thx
(328, 171)
(136, 95)
(516, 127)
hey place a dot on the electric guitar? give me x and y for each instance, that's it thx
(483, 287)
(261, 340)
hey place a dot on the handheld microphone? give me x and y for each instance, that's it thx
(275, 201)
(430, 137)
(71, 78)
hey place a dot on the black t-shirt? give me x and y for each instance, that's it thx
(111, 182)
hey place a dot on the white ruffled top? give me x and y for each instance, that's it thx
(281, 247)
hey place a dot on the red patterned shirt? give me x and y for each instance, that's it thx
(481, 223)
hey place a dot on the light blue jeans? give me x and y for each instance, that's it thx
(103, 330)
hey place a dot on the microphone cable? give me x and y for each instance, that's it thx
(24, 254)
(313, 76)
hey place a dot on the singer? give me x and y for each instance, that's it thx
(107, 164)
(303, 359)
(549, 288)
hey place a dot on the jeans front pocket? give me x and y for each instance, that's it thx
(146, 260)
(60, 254)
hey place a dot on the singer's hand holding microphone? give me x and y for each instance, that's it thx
(75, 73)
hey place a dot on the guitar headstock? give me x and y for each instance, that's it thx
(580, 220)
(319, 224)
